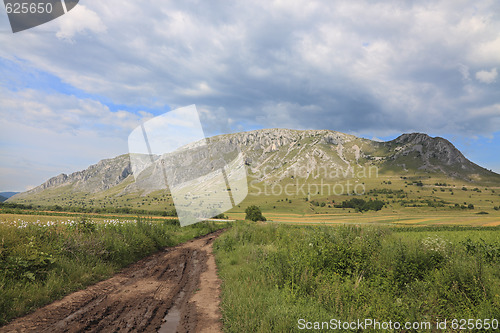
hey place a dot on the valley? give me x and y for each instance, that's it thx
(411, 220)
(305, 173)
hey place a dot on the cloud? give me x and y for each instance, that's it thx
(487, 77)
(379, 67)
(79, 20)
(464, 70)
(395, 67)
(66, 113)
(32, 155)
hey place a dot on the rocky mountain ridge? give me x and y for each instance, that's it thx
(275, 154)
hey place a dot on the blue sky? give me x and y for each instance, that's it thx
(74, 88)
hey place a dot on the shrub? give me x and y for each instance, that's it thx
(362, 205)
(253, 213)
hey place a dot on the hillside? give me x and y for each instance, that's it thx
(272, 156)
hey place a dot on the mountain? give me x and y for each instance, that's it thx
(8, 194)
(271, 156)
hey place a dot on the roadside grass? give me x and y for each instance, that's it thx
(42, 261)
(275, 274)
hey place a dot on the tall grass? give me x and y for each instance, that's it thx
(40, 263)
(274, 275)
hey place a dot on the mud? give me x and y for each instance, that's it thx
(174, 290)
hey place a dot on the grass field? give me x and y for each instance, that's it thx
(276, 275)
(437, 201)
(431, 253)
(44, 257)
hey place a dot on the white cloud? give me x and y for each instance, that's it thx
(464, 71)
(487, 76)
(65, 113)
(79, 20)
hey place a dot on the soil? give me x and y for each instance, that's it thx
(174, 290)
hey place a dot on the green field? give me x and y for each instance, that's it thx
(419, 199)
(432, 252)
(408, 195)
(274, 275)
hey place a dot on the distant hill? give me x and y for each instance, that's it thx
(278, 152)
(5, 195)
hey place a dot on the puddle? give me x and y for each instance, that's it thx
(173, 316)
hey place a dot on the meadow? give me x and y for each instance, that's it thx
(409, 200)
(43, 258)
(432, 252)
(275, 275)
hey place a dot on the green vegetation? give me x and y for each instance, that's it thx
(18, 208)
(403, 202)
(275, 274)
(361, 205)
(396, 189)
(253, 213)
(40, 262)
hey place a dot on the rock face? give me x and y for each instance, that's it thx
(275, 154)
(434, 154)
(96, 178)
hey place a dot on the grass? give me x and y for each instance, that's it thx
(406, 203)
(42, 260)
(275, 274)
(271, 196)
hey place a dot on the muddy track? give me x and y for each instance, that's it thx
(174, 290)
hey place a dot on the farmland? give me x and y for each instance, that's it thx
(417, 200)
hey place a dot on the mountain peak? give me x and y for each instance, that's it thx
(412, 138)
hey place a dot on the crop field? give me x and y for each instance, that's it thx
(43, 258)
(278, 277)
(384, 218)
(416, 200)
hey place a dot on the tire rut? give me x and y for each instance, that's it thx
(155, 294)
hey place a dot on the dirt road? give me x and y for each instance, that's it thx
(175, 290)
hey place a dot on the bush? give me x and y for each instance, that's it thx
(253, 213)
(362, 205)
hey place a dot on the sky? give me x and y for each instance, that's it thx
(73, 89)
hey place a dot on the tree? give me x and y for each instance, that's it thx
(253, 213)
